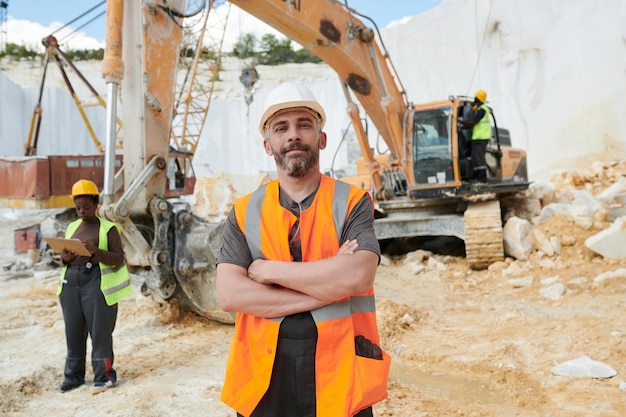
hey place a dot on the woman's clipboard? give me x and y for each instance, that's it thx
(74, 245)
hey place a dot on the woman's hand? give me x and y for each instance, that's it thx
(90, 246)
(68, 256)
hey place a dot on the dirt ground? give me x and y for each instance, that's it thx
(464, 343)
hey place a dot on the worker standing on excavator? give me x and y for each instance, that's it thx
(481, 134)
(297, 264)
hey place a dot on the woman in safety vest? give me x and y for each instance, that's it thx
(297, 264)
(89, 289)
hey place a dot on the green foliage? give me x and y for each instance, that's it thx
(209, 54)
(206, 53)
(19, 52)
(272, 51)
(85, 54)
(22, 52)
(303, 55)
(244, 47)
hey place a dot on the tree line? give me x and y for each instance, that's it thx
(21, 52)
(269, 50)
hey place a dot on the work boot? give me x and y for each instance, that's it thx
(66, 386)
(102, 386)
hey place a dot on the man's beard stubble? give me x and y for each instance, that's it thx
(299, 165)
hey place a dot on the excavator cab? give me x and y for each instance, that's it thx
(432, 150)
(441, 152)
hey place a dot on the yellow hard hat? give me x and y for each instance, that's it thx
(481, 95)
(287, 96)
(84, 187)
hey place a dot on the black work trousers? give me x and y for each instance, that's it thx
(85, 312)
(479, 163)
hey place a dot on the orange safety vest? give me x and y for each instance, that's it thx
(345, 383)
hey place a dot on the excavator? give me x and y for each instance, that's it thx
(420, 186)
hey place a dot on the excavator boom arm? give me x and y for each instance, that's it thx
(332, 32)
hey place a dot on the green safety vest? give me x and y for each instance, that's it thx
(114, 280)
(482, 130)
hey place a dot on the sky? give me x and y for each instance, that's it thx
(29, 21)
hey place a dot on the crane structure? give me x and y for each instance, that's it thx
(45, 181)
(198, 70)
(53, 51)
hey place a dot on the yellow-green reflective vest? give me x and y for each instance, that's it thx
(114, 280)
(482, 130)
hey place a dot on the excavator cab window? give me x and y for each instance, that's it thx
(432, 150)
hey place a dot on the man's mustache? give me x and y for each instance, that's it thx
(296, 145)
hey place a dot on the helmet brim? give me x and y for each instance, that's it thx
(273, 110)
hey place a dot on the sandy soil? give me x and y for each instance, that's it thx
(464, 343)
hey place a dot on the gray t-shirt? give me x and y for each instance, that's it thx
(359, 226)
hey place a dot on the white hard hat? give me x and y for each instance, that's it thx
(286, 96)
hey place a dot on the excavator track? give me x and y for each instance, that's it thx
(483, 234)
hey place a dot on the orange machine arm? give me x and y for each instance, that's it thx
(331, 31)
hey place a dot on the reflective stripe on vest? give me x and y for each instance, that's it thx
(356, 304)
(118, 287)
(345, 383)
(482, 130)
(342, 309)
(253, 219)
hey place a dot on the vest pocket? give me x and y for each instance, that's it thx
(370, 382)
